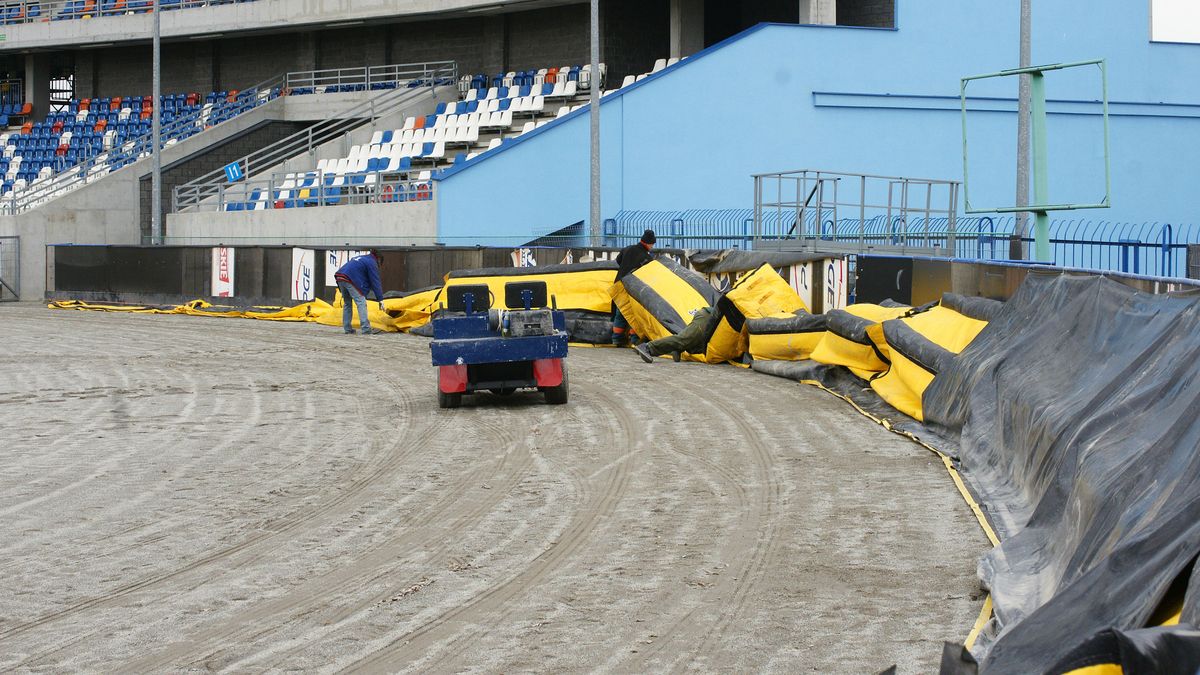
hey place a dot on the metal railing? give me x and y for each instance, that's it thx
(10, 269)
(1148, 248)
(39, 11)
(98, 165)
(809, 205)
(191, 195)
(314, 189)
(373, 78)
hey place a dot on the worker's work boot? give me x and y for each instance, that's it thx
(676, 357)
(644, 352)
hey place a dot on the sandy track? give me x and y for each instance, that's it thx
(184, 493)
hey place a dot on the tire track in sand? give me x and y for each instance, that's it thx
(211, 651)
(600, 506)
(367, 476)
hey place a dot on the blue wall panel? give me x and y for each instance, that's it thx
(781, 97)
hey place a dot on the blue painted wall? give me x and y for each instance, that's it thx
(781, 97)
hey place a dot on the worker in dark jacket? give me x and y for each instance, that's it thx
(359, 276)
(693, 339)
(628, 261)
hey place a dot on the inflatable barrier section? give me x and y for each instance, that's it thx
(661, 298)
(757, 294)
(920, 345)
(854, 338)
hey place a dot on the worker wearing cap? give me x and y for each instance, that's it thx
(693, 339)
(355, 279)
(628, 261)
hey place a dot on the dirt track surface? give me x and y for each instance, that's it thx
(184, 493)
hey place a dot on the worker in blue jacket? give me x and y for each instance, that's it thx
(359, 276)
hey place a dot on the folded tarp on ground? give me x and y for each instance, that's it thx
(757, 294)
(1075, 417)
(661, 298)
(919, 346)
(315, 311)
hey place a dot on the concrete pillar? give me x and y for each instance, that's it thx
(822, 12)
(687, 27)
(37, 83)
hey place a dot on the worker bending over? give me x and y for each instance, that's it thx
(629, 260)
(693, 339)
(355, 279)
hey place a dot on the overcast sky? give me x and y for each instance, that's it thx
(1176, 20)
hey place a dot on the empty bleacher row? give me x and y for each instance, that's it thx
(110, 133)
(31, 11)
(661, 64)
(397, 165)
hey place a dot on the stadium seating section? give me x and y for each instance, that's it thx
(490, 111)
(29, 11)
(112, 131)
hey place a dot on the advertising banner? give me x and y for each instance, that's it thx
(334, 260)
(222, 272)
(303, 274)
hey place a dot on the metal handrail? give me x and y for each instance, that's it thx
(97, 166)
(189, 195)
(318, 188)
(369, 76)
(71, 10)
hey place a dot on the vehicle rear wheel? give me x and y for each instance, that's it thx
(449, 400)
(559, 395)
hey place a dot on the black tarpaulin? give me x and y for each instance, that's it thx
(1075, 413)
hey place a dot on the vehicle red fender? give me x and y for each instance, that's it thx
(453, 379)
(548, 372)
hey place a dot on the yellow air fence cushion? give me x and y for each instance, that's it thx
(657, 300)
(854, 338)
(757, 294)
(938, 329)
(785, 336)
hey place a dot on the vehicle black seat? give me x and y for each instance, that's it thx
(514, 294)
(456, 300)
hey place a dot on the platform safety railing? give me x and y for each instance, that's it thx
(372, 78)
(810, 205)
(190, 196)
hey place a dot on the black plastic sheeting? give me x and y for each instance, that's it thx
(1075, 415)
(733, 260)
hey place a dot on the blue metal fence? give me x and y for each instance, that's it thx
(1149, 248)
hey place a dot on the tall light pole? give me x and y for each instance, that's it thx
(1017, 248)
(595, 118)
(156, 228)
